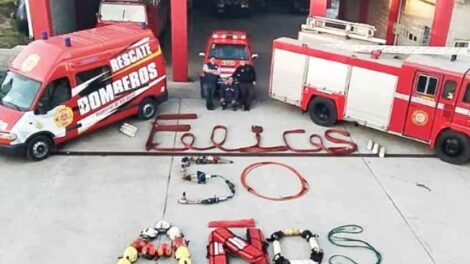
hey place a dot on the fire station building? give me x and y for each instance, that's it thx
(401, 22)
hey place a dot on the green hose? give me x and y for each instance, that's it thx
(341, 241)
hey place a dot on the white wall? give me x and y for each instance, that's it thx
(460, 23)
(416, 13)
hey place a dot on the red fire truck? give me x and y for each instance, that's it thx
(62, 87)
(421, 97)
(155, 13)
(228, 48)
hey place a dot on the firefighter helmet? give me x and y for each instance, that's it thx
(131, 254)
(123, 261)
(174, 233)
(149, 252)
(162, 226)
(149, 233)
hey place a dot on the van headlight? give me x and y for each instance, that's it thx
(7, 138)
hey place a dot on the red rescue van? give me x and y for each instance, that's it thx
(421, 97)
(62, 87)
(228, 48)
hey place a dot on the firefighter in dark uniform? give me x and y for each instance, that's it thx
(209, 84)
(246, 76)
(229, 94)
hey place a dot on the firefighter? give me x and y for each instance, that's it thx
(211, 77)
(246, 76)
(229, 94)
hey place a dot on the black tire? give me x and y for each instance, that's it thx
(147, 109)
(453, 147)
(323, 112)
(39, 148)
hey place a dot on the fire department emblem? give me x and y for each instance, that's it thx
(63, 117)
(30, 63)
(420, 118)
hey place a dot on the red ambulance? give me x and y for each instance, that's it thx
(62, 87)
(421, 97)
(228, 48)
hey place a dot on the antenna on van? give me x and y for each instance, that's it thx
(68, 42)
(44, 35)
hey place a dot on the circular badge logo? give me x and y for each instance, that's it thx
(420, 118)
(63, 117)
(30, 63)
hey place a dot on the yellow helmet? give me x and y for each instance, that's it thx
(123, 261)
(131, 254)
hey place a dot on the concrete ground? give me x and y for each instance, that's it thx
(86, 209)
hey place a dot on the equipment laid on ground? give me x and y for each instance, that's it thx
(188, 139)
(334, 236)
(242, 223)
(186, 161)
(201, 177)
(58, 107)
(421, 97)
(303, 182)
(128, 130)
(143, 246)
(316, 254)
(223, 241)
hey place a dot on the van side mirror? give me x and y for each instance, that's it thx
(202, 54)
(254, 56)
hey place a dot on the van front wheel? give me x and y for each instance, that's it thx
(39, 148)
(147, 109)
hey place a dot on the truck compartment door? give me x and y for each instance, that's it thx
(370, 97)
(422, 108)
(328, 75)
(288, 76)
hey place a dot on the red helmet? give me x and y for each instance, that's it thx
(149, 252)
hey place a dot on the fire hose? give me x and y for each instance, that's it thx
(341, 241)
(304, 184)
(188, 139)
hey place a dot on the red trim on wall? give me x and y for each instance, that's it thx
(441, 23)
(318, 7)
(364, 11)
(40, 17)
(395, 6)
(179, 40)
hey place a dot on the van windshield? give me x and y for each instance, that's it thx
(229, 52)
(18, 92)
(123, 13)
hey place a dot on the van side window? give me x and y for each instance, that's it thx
(426, 85)
(466, 97)
(56, 93)
(449, 90)
(87, 75)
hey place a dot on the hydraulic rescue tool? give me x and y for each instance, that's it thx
(334, 236)
(202, 160)
(201, 177)
(223, 241)
(143, 246)
(316, 255)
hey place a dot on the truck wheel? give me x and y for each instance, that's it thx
(147, 109)
(453, 147)
(39, 148)
(323, 111)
